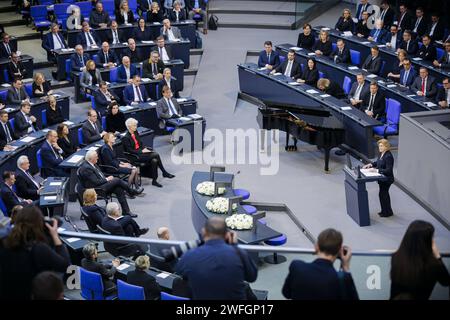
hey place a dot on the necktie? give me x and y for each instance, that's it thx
(358, 92)
(54, 152)
(268, 58)
(448, 96)
(8, 134)
(95, 127)
(136, 143)
(372, 98)
(376, 34)
(82, 60)
(176, 14)
(288, 69)
(432, 29)
(106, 57)
(383, 14)
(154, 70)
(116, 37)
(160, 52)
(32, 179)
(417, 24)
(405, 77)
(15, 195)
(8, 49)
(100, 172)
(171, 107)
(139, 94)
(407, 46)
(423, 86)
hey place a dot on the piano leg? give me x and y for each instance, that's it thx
(327, 159)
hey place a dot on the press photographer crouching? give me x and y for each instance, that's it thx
(218, 269)
(33, 246)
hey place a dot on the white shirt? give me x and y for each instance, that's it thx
(125, 17)
(56, 42)
(394, 41)
(127, 72)
(170, 35)
(89, 39)
(287, 72)
(170, 105)
(136, 94)
(32, 179)
(432, 28)
(163, 54)
(417, 24)
(168, 83)
(30, 129)
(115, 34)
(358, 91)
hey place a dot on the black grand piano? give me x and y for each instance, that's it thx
(314, 126)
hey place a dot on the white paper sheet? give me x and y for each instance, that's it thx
(70, 240)
(181, 100)
(353, 68)
(312, 91)
(76, 158)
(27, 139)
(294, 83)
(324, 95)
(55, 183)
(370, 173)
(163, 275)
(123, 266)
(295, 48)
(50, 198)
(346, 108)
(371, 76)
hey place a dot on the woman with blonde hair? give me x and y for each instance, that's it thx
(323, 44)
(91, 76)
(54, 114)
(95, 212)
(139, 277)
(124, 15)
(384, 165)
(40, 87)
(345, 22)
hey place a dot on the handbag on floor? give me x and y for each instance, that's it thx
(212, 22)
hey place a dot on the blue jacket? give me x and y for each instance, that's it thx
(76, 63)
(81, 38)
(48, 44)
(318, 280)
(380, 35)
(274, 59)
(128, 94)
(50, 162)
(411, 76)
(216, 271)
(122, 75)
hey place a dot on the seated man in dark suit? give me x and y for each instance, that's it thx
(289, 67)
(378, 34)
(443, 96)
(167, 107)
(106, 57)
(114, 35)
(24, 123)
(51, 155)
(358, 90)
(79, 58)
(52, 41)
(408, 44)
(27, 187)
(16, 69)
(170, 82)
(444, 61)
(5, 47)
(90, 263)
(9, 197)
(135, 93)
(163, 233)
(17, 93)
(165, 52)
(330, 87)
(392, 39)
(103, 97)
(87, 37)
(133, 52)
(407, 74)
(268, 58)
(91, 176)
(419, 26)
(7, 134)
(99, 18)
(436, 28)
(319, 280)
(139, 277)
(374, 103)
(342, 53)
(92, 129)
(153, 67)
(373, 62)
(126, 71)
(425, 85)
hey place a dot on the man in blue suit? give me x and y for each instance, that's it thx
(87, 37)
(407, 74)
(408, 44)
(268, 58)
(393, 39)
(78, 59)
(106, 57)
(103, 97)
(379, 33)
(319, 280)
(135, 93)
(126, 71)
(9, 197)
(53, 41)
(51, 156)
(218, 269)
(363, 6)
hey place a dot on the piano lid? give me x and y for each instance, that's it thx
(322, 112)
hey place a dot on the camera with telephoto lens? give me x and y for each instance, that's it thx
(176, 252)
(50, 221)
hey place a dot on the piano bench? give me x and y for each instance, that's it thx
(249, 209)
(276, 258)
(241, 193)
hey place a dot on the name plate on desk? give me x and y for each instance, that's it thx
(147, 41)
(152, 104)
(182, 100)
(27, 139)
(50, 198)
(312, 91)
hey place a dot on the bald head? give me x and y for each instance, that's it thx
(163, 233)
(215, 228)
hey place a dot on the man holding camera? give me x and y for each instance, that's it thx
(319, 280)
(218, 269)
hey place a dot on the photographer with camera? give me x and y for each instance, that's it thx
(33, 246)
(218, 269)
(319, 280)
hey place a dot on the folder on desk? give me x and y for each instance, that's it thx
(123, 266)
(195, 116)
(347, 34)
(370, 173)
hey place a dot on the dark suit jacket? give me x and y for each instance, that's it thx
(81, 38)
(410, 79)
(412, 49)
(142, 279)
(3, 52)
(381, 35)
(109, 157)
(173, 87)
(168, 50)
(21, 125)
(310, 76)
(364, 90)
(162, 109)
(173, 17)
(3, 138)
(140, 35)
(441, 95)
(90, 135)
(26, 189)
(135, 56)
(361, 8)
(159, 17)
(428, 53)
(16, 98)
(296, 71)
(341, 58)
(115, 123)
(9, 198)
(445, 61)
(16, 71)
(112, 57)
(372, 66)
(379, 104)
(48, 44)
(431, 89)
(54, 116)
(67, 146)
(421, 28)
(90, 177)
(362, 29)
(113, 226)
(306, 42)
(109, 36)
(385, 165)
(318, 280)
(96, 18)
(147, 71)
(105, 271)
(345, 25)
(122, 75)
(95, 213)
(326, 47)
(191, 3)
(406, 22)
(274, 59)
(388, 19)
(335, 90)
(439, 31)
(120, 20)
(49, 161)
(76, 63)
(388, 38)
(128, 94)
(101, 103)
(129, 145)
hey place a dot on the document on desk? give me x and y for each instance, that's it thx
(70, 240)
(324, 95)
(61, 229)
(294, 83)
(277, 74)
(152, 104)
(163, 275)
(75, 159)
(67, 49)
(353, 68)
(312, 91)
(371, 76)
(195, 116)
(147, 41)
(69, 123)
(381, 46)
(366, 42)
(6, 85)
(263, 68)
(125, 108)
(56, 95)
(27, 139)
(123, 266)
(346, 108)
(325, 29)
(295, 48)
(145, 79)
(417, 59)
(391, 85)
(92, 148)
(411, 95)
(50, 198)
(370, 173)
(57, 183)
(9, 109)
(430, 104)
(311, 54)
(181, 100)
(184, 119)
(347, 34)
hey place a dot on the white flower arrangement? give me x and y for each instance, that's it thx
(207, 188)
(239, 221)
(219, 205)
